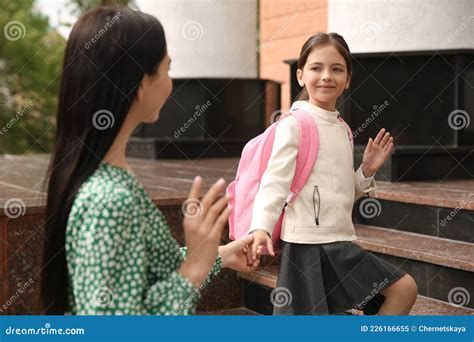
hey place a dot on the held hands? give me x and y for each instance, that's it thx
(235, 255)
(203, 224)
(261, 239)
(376, 153)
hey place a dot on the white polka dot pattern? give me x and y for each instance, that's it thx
(122, 258)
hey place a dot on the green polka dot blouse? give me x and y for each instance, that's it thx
(121, 256)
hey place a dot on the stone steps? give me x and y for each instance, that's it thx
(259, 284)
(454, 220)
(441, 267)
(242, 311)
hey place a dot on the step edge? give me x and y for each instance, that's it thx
(430, 299)
(463, 264)
(442, 302)
(405, 232)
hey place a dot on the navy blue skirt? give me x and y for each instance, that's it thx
(327, 279)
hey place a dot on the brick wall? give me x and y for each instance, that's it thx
(284, 27)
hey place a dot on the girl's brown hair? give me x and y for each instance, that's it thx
(319, 40)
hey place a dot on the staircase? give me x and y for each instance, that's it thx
(412, 236)
(426, 228)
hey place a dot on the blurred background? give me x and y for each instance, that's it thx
(233, 70)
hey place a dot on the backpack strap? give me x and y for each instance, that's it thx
(349, 132)
(307, 152)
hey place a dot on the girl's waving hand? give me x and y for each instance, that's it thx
(376, 152)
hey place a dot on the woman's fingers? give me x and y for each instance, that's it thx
(214, 213)
(213, 194)
(379, 136)
(253, 250)
(248, 256)
(220, 222)
(247, 247)
(196, 187)
(253, 266)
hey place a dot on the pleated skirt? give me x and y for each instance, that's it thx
(328, 279)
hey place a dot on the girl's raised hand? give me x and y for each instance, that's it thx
(376, 152)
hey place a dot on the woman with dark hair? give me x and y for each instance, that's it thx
(110, 250)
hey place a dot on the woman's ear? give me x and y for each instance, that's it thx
(299, 76)
(140, 92)
(141, 87)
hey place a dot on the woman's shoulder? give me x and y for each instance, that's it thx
(106, 187)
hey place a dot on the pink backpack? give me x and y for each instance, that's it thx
(252, 165)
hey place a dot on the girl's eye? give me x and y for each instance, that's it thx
(338, 69)
(316, 68)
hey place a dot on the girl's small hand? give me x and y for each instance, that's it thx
(261, 239)
(376, 153)
(235, 255)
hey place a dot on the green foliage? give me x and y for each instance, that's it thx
(31, 55)
(30, 65)
(81, 6)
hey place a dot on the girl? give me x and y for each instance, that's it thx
(109, 249)
(325, 272)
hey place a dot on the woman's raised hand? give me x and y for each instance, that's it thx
(203, 223)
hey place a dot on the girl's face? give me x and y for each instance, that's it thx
(325, 76)
(153, 92)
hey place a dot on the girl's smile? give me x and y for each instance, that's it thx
(324, 76)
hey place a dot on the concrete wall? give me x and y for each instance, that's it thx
(401, 25)
(209, 38)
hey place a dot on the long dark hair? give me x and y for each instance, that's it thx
(109, 51)
(319, 40)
